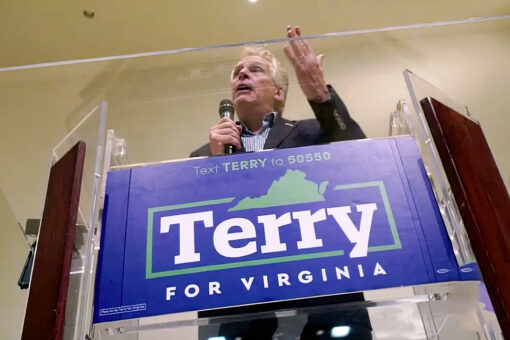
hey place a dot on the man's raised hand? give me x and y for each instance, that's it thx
(307, 65)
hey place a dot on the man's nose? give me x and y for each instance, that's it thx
(243, 73)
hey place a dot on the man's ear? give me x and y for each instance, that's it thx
(279, 94)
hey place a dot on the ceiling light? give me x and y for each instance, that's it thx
(252, 1)
(340, 331)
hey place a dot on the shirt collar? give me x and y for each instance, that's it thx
(267, 122)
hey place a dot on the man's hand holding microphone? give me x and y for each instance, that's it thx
(224, 136)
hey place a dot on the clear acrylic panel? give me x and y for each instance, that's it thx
(456, 310)
(419, 89)
(91, 130)
(398, 122)
(163, 104)
(439, 311)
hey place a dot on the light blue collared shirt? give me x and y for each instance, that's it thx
(255, 141)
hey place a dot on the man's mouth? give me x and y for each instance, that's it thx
(242, 88)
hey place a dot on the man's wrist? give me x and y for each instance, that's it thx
(321, 99)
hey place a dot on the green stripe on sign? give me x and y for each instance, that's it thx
(246, 264)
(150, 221)
(387, 207)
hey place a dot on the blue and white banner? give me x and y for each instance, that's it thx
(266, 226)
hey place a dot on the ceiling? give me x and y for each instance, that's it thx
(45, 31)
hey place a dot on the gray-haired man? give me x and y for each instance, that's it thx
(259, 89)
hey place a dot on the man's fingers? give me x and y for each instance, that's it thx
(228, 131)
(215, 133)
(320, 59)
(299, 47)
(224, 123)
(225, 120)
(290, 54)
(224, 132)
(227, 139)
(295, 44)
(223, 126)
(307, 66)
(304, 44)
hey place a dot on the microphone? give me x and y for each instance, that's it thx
(227, 110)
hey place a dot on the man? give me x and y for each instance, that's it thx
(259, 89)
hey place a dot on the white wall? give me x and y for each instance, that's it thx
(13, 252)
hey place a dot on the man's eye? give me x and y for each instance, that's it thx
(256, 69)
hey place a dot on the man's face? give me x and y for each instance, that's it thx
(253, 87)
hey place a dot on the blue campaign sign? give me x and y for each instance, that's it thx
(273, 225)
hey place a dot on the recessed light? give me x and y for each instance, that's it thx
(340, 331)
(253, 1)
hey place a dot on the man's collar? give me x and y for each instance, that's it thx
(268, 121)
(270, 117)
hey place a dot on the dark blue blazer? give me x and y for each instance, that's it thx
(332, 124)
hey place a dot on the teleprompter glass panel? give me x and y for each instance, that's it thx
(163, 105)
(92, 131)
